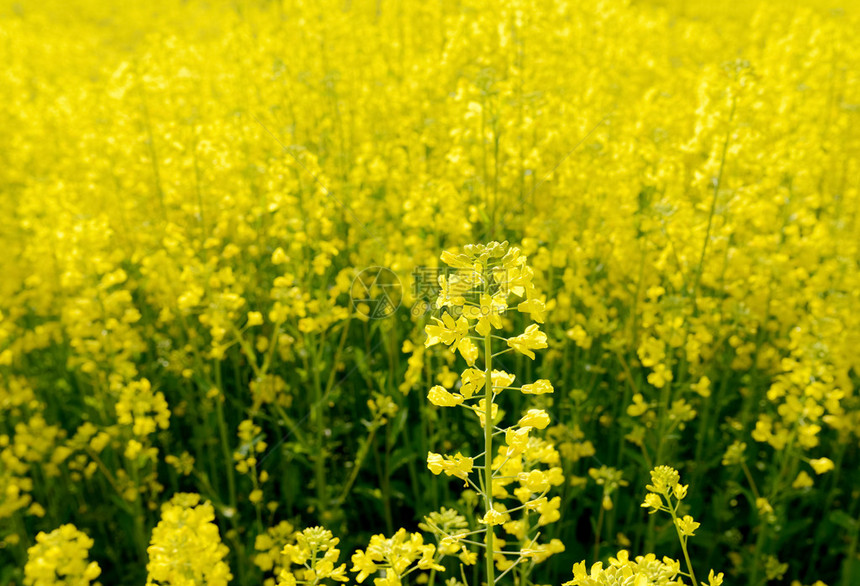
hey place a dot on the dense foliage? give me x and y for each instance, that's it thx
(206, 377)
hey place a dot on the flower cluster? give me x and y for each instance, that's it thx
(186, 547)
(270, 546)
(61, 557)
(647, 570)
(641, 571)
(478, 293)
(316, 554)
(395, 557)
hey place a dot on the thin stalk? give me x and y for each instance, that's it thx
(386, 482)
(153, 155)
(597, 533)
(359, 460)
(488, 454)
(682, 539)
(225, 442)
(317, 421)
(747, 473)
(717, 184)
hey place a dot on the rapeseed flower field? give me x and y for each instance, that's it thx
(450, 292)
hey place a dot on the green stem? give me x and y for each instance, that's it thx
(681, 538)
(359, 460)
(386, 483)
(759, 544)
(849, 563)
(717, 184)
(597, 532)
(225, 442)
(488, 453)
(753, 486)
(318, 424)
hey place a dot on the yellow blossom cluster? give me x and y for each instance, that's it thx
(61, 557)
(392, 557)
(316, 554)
(478, 291)
(186, 546)
(270, 546)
